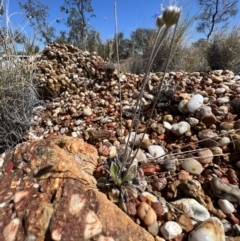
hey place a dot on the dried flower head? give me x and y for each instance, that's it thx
(159, 21)
(171, 15)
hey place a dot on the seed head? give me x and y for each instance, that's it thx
(159, 21)
(171, 15)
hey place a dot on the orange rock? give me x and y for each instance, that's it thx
(183, 176)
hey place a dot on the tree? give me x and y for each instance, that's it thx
(124, 47)
(93, 41)
(142, 38)
(77, 21)
(214, 12)
(62, 38)
(37, 14)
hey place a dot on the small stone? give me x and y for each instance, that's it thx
(208, 120)
(222, 100)
(133, 140)
(225, 190)
(224, 141)
(185, 222)
(195, 102)
(183, 176)
(158, 208)
(194, 209)
(226, 126)
(182, 106)
(192, 121)
(170, 165)
(156, 151)
(220, 91)
(149, 196)
(153, 228)
(217, 79)
(226, 206)
(180, 128)
(167, 125)
(207, 133)
(168, 118)
(210, 230)
(205, 156)
(171, 230)
(191, 165)
(157, 127)
(141, 156)
(87, 111)
(146, 213)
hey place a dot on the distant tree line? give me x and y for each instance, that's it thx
(76, 15)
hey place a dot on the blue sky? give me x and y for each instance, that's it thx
(131, 14)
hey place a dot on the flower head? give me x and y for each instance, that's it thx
(159, 21)
(171, 15)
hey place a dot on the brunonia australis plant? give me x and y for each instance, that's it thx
(123, 173)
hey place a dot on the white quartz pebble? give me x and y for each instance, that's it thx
(156, 151)
(87, 111)
(171, 230)
(180, 128)
(193, 208)
(195, 102)
(226, 206)
(210, 230)
(191, 165)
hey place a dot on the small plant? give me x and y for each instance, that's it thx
(123, 172)
(129, 179)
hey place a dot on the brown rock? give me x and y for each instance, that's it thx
(55, 195)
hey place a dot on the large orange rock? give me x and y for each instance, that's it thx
(48, 192)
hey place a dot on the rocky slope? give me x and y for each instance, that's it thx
(189, 157)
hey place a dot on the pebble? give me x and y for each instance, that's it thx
(157, 127)
(207, 133)
(156, 151)
(150, 196)
(87, 111)
(167, 125)
(222, 100)
(195, 102)
(205, 110)
(225, 190)
(182, 106)
(192, 121)
(180, 128)
(205, 156)
(208, 119)
(210, 230)
(226, 206)
(220, 91)
(141, 156)
(171, 230)
(193, 208)
(191, 165)
(146, 213)
(133, 141)
(224, 141)
(153, 228)
(226, 126)
(170, 165)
